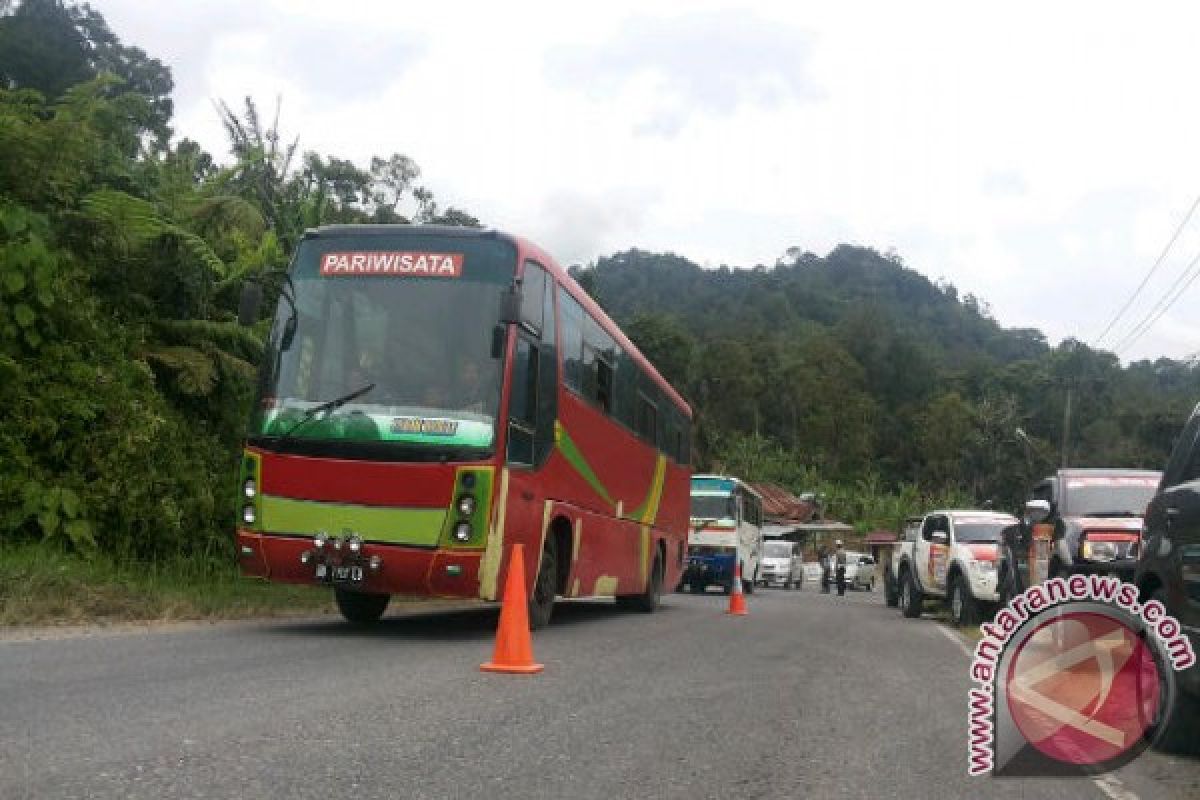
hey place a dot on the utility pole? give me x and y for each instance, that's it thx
(1066, 437)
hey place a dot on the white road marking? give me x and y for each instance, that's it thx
(1108, 783)
(1111, 785)
(954, 637)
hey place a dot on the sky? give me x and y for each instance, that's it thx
(1039, 155)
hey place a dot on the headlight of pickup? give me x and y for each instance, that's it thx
(1099, 551)
(985, 567)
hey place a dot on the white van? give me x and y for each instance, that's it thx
(781, 564)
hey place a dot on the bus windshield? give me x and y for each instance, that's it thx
(713, 506)
(410, 317)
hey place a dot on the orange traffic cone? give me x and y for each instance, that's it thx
(514, 646)
(737, 601)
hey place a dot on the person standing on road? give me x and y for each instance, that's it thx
(826, 572)
(839, 566)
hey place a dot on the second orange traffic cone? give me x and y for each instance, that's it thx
(737, 601)
(514, 645)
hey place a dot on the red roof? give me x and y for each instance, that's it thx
(780, 504)
(880, 537)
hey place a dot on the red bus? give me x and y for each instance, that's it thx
(430, 396)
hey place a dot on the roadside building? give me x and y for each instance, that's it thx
(801, 520)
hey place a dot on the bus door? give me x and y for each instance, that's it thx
(532, 409)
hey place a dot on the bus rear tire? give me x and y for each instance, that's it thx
(541, 601)
(646, 602)
(361, 608)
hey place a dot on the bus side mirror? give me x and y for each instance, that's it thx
(248, 305)
(498, 341)
(510, 306)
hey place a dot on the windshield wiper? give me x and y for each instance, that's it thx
(327, 406)
(1113, 514)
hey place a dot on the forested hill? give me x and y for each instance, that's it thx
(853, 367)
(805, 287)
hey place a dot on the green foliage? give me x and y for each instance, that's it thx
(819, 371)
(52, 46)
(124, 377)
(58, 513)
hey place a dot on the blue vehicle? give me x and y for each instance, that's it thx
(725, 530)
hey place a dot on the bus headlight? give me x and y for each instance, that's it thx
(466, 505)
(986, 567)
(462, 532)
(319, 541)
(249, 515)
(249, 488)
(354, 543)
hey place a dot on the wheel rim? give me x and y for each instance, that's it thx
(904, 594)
(956, 602)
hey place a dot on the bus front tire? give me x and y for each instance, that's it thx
(359, 607)
(541, 602)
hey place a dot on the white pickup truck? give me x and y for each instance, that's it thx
(952, 555)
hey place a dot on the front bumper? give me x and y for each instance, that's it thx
(405, 570)
(984, 586)
(709, 569)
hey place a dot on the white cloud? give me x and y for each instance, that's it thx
(1035, 154)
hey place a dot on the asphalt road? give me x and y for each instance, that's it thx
(809, 696)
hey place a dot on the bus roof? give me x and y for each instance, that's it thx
(525, 249)
(722, 483)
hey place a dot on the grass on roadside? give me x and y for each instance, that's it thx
(942, 615)
(41, 585)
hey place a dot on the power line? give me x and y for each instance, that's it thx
(1150, 274)
(1172, 295)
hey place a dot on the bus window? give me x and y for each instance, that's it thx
(572, 340)
(522, 406)
(647, 418)
(625, 400)
(604, 385)
(533, 294)
(547, 383)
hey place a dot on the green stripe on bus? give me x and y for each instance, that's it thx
(575, 458)
(417, 526)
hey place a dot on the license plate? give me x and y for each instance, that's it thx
(339, 574)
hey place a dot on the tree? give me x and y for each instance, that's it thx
(51, 45)
(667, 344)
